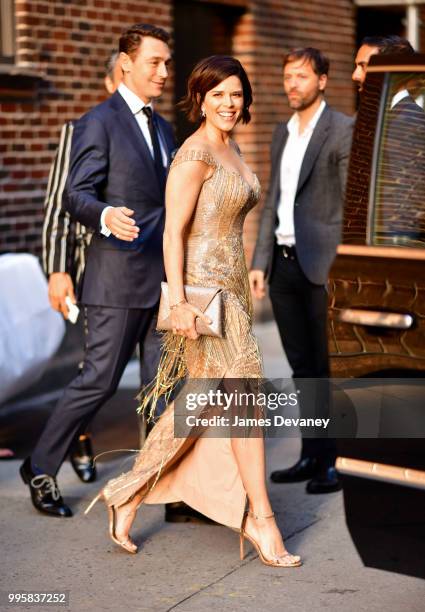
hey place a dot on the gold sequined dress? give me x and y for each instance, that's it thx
(203, 472)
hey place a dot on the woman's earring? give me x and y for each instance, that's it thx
(202, 113)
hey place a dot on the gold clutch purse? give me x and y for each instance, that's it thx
(207, 299)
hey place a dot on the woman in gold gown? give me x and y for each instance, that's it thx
(209, 192)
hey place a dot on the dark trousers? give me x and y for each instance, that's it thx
(149, 352)
(300, 308)
(112, 336)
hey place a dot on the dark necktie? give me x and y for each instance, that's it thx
(157, 155)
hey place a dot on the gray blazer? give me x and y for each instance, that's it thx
(319, 199)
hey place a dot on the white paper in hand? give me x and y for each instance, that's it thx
(73, 310)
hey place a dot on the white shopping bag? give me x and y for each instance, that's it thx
(30, 330)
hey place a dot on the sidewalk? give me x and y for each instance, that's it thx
(189, 567)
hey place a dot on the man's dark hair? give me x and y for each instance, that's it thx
(389, 44)
(317, 59)
(131, 39)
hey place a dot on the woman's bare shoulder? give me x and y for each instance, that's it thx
(197, 143)
(195, 148)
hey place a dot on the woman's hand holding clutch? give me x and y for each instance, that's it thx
(183, 317)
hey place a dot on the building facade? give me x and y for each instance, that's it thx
(52, 56)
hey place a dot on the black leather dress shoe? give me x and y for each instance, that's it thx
(179, 512)
(304, 469)
(45, 494)
(325, 481)
(81, 459)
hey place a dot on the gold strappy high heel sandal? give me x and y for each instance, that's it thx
(127, 544)
(285, 560)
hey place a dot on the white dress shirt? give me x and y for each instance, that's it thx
(136, 106)
(399, 96)
(290, 167)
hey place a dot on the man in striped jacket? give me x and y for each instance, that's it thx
(64, 242)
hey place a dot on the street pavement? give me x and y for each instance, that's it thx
(184, 567)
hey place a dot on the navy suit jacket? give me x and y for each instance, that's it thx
(111, 165)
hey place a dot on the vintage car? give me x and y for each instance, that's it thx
(377, 315)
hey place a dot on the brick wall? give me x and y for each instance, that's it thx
(271, 27)
(66, 42)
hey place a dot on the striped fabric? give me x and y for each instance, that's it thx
(63, 240)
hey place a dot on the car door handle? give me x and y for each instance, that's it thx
(392, 474)
(376, 318)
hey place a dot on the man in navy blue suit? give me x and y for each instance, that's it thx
(120, 153)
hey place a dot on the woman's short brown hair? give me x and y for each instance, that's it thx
(208, 73)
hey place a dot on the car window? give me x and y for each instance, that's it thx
(398, 214)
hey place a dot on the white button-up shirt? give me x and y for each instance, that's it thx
(290, 167)
(136, 106)
(399, 96)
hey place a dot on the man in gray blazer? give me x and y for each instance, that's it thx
(300, 229)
